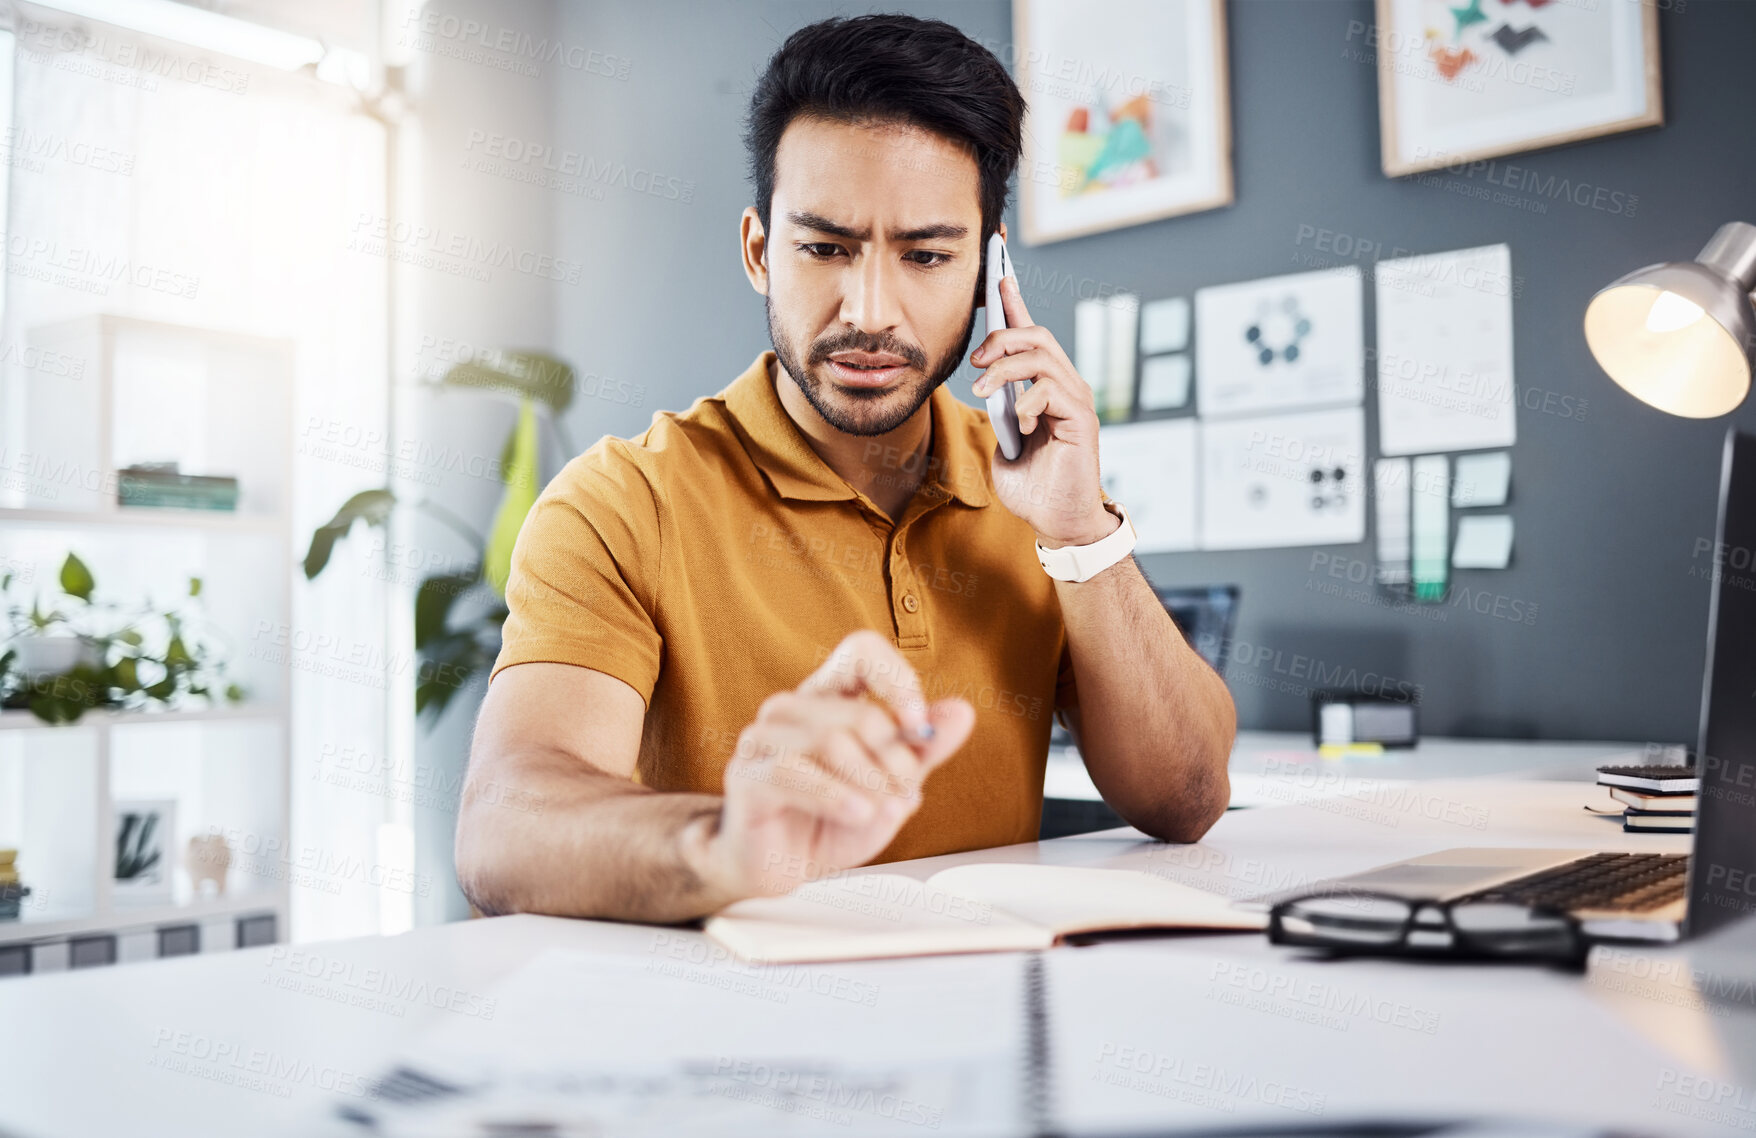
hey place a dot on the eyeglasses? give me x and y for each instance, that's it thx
(1381, 923)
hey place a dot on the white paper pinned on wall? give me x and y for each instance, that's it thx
(1390, 488)
(1280, 344)
(1484, 541)
(1482, 480)
(1445, 352)
(1120, 357)
(1164, 325)
(1091, 339)
(1429, 526)
(1151, 469)
(1164, 383)
(1284, 480)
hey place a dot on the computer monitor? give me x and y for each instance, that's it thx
(1206, 615)
(1722, 871)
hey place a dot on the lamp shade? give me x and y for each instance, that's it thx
(1680, 336)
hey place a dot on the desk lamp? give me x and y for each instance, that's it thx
(1682, 335)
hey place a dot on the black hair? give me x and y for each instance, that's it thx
(891, 68)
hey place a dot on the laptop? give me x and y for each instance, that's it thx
(1206, 615)
(1644, 896)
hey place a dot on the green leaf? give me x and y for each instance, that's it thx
(447, 665)
(370, 506)
(76, 580)
(126, 673)
(433, 601)
(130, 637)
(234, 693)
(195, 586)
(56, 711)
(521, 495)
(531, 375)
(177, 654)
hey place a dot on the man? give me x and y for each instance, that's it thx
(803, 626)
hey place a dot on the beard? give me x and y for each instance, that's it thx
(862, 411)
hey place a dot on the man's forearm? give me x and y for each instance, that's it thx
(546, 833)
(1156, 724)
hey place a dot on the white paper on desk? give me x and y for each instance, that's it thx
(1483, 542)
(686, 1040)
(1284, 480)
(1280, 343)
(1151, 469)
(1445, 352)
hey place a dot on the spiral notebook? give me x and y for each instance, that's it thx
(681, 1039)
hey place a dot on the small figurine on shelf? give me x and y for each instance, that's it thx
(12, 893)
(207, 860)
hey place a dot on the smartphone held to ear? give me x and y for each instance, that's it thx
(1003, 403)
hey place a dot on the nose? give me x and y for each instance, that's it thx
(870, 303)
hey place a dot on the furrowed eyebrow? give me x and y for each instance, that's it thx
(937, 231)
(805, 219)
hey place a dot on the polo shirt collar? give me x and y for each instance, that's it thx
(780, 449)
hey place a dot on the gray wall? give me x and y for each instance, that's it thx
(1601, 618)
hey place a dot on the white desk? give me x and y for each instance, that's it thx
(1289, 756)
(86, 1052)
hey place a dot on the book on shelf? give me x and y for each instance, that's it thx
(163, 487)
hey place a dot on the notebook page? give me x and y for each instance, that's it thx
(1072, 899)
(865, 915)
(692, 1042)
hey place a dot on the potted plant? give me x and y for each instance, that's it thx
(454, 642)
(81, 653)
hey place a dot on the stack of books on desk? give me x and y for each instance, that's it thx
(1654, 798)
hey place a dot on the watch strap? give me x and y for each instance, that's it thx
(1078, 563)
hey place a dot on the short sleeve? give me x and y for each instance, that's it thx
(1066, 690)
(585, 571)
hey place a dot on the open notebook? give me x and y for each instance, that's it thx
(969, 908)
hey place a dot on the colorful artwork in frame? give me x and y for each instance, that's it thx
(1466, 80)
(1129, 115)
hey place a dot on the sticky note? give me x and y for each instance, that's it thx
(1164, 326)
(1483, 542)
(1481, 480)
(1164, 383)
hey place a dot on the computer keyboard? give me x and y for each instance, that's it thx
(1630, 882)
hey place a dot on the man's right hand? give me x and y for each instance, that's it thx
(829, 772)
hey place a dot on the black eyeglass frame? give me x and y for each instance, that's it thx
(1464, 944)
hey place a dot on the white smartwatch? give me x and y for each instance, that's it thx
(1083, 562)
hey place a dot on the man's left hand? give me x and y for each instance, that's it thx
(1053, 484)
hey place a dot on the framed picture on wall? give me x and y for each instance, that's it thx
(1465, 80)
(1129, 113)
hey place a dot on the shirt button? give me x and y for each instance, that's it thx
(909, 604)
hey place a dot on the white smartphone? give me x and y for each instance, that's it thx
(1002, 404)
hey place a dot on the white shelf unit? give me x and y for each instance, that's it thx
(216, 403)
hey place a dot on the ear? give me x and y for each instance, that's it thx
(755, 244)
(1003, 236)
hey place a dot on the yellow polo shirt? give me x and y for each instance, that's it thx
(716, 559)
